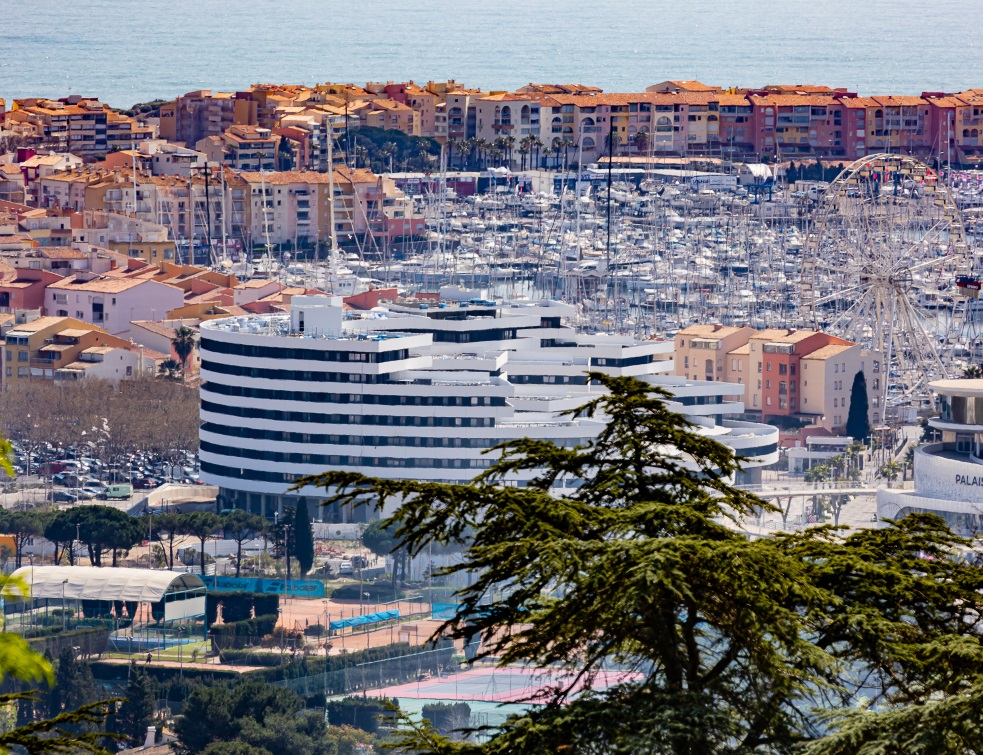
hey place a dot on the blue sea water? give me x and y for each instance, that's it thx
(125, 51)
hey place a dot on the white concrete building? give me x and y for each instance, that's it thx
(417, 390)
(948, 475)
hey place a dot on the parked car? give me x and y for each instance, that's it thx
(145, 483)
(345, 568)
(63, 496)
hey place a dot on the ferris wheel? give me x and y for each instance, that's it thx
(886, 264)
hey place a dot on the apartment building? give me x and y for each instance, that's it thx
(23, 288)
(800, 375)
(111, 302)
(243, 148)
(55, 348)
(387, 114)
(508, 115)
(84, 127)
(296, 206)
(204, 113)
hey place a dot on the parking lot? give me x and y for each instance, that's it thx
(65, 475)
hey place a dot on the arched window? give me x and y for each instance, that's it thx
(568, 129)
(588, 143)
(878, 113)
(712, 119)
(524, 114)
(632, 129)
(556, 125)
(974, 133)
(965, 133)
(506, 114)
(663, 124)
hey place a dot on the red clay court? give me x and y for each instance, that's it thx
(494, 685)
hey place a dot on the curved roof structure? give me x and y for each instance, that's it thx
(95, 583)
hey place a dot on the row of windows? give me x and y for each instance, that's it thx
(316, 355)
(336, 460)
(303, 375)
(470, 336)
(385, 420)
(351, 398)
(278, 436)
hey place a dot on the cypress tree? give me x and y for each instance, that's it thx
(139, 708)
(858, 419)
(303, 538)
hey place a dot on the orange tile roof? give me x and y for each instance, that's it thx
(97, 285)
(709, 331)
(790, 100)
(890, 100)
(826, 352)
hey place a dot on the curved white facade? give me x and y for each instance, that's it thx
(948, 475)
(416, 392)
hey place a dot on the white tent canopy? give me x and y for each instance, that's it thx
(95, 583)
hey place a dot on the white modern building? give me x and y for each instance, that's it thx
(418, 389)
(948, 475)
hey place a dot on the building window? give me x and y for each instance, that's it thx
(783, 369)
(768, 401)
(22, 356)
(685, 362)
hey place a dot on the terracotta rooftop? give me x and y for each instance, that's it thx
(827, 352)
(97, 285)
(708, 331)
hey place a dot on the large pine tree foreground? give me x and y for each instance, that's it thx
(821, 641)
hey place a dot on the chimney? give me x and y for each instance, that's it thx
(151, 736)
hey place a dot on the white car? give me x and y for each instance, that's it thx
(345, 568)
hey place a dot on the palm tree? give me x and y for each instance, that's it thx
(973, 372)
(481, 147)
(536, 144)
(641, 141)
(509, 142)
(183, 344)
(169, 368)
(525, 147)
(451, 143)
(547, 153)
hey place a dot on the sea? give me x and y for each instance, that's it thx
(128, 51)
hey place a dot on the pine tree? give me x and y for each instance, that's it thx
(139, 708)
(302, 542)
(733, 644)
(858, 419)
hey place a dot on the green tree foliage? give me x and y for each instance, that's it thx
(104, 528)
(22, 526)
(385, 147)
(167, 528)
(6, 451)
(858, 418)
(234, 748)
(347, 740)
(202, 525)
(735, 645)
(240, 526)
(365, 713)
(262, 716)
(60, 732)
(139, 707)
(184, 342)
(380, 538)
(302, 538)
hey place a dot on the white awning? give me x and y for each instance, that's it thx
(105, 583)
